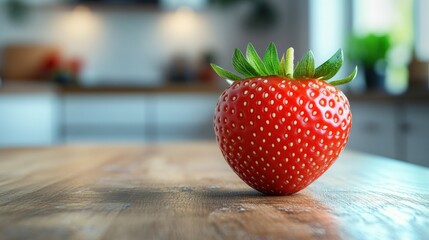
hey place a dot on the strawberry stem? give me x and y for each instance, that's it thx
(289, 62)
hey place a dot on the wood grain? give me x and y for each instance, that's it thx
(187, 191)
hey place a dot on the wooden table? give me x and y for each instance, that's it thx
(187, 191)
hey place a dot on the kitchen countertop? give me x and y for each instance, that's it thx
(12, 87)
(187, 191)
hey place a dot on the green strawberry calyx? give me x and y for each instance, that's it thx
(252, 65)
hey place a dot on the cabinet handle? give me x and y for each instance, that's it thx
(371, 127)
(405, 127)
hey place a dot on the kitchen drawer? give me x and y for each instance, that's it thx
(374, 128)
(92, 133)
(416, 133)
(184, 109)
(174, 132)
(104, 110)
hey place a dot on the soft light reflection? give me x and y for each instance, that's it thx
(80, 23)
(79, 29)
(374, 16)
(183, 23)
(184, 32)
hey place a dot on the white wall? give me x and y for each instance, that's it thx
(134, 46)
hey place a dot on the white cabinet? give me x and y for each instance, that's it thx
(104, 117)
(181, 116)
(393, 128)
(416, 133)
(28, 119)
(374, 128)
(396, 128)
(151, 117)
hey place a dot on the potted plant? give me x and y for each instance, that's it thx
(370, 51)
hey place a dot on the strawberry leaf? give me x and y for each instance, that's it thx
(271, 59)
(255, 61)
(253, 66)
(224, 73)
(305, 67)
(282, 67)
(345, 80)
(331, 67)
(242, 66)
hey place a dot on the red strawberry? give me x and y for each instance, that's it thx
(281, 128)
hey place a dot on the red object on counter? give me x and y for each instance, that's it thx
(75, 66)
(51, 62)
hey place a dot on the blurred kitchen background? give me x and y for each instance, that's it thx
(83, 71)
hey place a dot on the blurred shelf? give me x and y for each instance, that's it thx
(27, 87)
(38, 87)
(35, 87)
(127, 7)
(102, 5)
(386, 97)
(169, 88)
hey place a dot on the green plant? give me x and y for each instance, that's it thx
(368, 49)
(17, 10)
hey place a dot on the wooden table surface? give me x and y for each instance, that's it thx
(187, 191)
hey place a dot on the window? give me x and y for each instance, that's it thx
(394, 18)
(333, 21)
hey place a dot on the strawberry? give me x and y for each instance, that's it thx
(279, 127)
